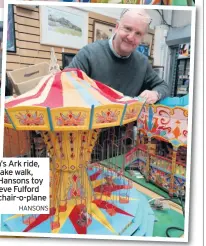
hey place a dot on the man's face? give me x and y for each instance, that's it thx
(129, 34)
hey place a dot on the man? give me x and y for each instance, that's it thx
(117, 63)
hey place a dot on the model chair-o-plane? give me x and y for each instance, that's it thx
(70, 110)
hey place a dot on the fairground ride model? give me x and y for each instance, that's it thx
(160, 154)
(71, 112)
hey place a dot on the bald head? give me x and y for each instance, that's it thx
(139, 14)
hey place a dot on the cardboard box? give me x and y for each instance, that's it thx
(25, 79)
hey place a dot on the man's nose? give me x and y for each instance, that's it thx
(131, 36)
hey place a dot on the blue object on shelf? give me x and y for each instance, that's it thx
(175, 101)
(144, 49)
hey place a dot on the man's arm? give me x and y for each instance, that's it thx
(155, 83)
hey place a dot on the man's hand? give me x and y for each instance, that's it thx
(150, 96)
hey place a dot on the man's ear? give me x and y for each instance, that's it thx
(116, 27)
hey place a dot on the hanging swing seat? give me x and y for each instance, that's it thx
(29, 220)
(124, 199)
(55, 225)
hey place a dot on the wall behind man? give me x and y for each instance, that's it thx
(29, 51)
(181, 18)
(116, 12)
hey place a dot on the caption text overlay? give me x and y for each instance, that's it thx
(24, 186)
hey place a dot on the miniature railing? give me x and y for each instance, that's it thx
(160, 161)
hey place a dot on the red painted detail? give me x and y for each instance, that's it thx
(106, 89)
(80, 74)
(106, 205)
(55, 92)
(75, 193)
(95, 175)
(78, 71)
(111, 211)
(74, 177)
(108, 189)
(111, 95)
(75, 218)
(40, 219)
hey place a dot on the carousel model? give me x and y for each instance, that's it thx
(70, 112)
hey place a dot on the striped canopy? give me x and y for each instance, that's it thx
(71, 99)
